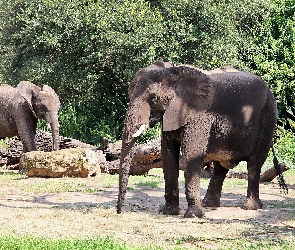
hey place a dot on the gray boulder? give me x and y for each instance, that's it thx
(71, 162)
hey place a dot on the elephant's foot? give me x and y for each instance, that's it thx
(171, 210)
(252, 204)
(211, 202)
(194, 211)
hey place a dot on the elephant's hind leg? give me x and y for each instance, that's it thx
(212, 197)
(256, 161)
(253, 202)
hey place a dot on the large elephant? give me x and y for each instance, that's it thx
(226, 116)
(21, 108)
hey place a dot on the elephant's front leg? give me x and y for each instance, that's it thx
(170, 159)
(192, 187)
(194, 145)
(27, 131)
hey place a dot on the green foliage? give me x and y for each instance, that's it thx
(275, 58)
(89, 51)
(93, 121)
(3, 143)
(151, 133)
(284, 147)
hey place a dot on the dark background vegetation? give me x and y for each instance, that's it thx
(89, 51)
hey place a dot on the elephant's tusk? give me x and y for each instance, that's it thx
(141, 129)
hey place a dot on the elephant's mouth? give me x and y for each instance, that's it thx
(155, 117)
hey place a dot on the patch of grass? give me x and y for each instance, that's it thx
(155, 178)
(8, 242)
(91, 190)
(53, 186)
(108, 185)
(282, 205)
(234, 183)
(150, 184)
(224, 243)
(57, 185)
(243, 244)
(109, 180)
(11, 175)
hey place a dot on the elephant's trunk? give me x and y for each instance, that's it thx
(136, 121)
(55, 134)
(125, 162)
(55, 139)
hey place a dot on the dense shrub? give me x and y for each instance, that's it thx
(89, 50)
(274, 58)
(284, 147)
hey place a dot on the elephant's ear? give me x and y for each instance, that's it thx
(49, 94)
(193, 94)
(27, 90)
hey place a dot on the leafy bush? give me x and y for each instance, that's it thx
(89, 51)
(284, 147)
(275, 58)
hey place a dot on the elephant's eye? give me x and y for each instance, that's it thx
(153, 99)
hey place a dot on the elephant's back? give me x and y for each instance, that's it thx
(6, 87)
(7, 92)
(7, 123)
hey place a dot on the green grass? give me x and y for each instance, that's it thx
(245, 244)
(8, 176)
(109, 180)
(150, 184)
(228, 243)
(282, 205)
(8, 242)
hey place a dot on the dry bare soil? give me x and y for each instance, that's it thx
(81, 208)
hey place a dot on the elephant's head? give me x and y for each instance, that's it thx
(44, 104)
(167, 94)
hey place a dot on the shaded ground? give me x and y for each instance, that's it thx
(86, 208)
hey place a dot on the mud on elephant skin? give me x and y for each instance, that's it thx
(226, 116)
(21, 107)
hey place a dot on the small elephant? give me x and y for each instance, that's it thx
(21, 108)
(225, 116)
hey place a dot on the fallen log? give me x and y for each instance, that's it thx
(267, 176)
(271, 173)
(146, 156)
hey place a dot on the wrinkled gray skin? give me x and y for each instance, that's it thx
(21, 108)
(226, 116)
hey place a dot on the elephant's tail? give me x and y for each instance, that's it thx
(281, 180)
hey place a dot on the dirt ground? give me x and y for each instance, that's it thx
(28, 207)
